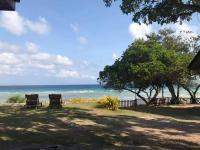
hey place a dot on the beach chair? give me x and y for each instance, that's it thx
(55, 100)
(32, 101)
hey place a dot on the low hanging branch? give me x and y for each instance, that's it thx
(192, 93)
(149, 98)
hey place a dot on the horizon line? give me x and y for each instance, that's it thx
(46, 84)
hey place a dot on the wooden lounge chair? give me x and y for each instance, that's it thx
(32, 101)
(55, 100)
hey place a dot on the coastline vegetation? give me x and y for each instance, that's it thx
(16, 99)
(149, 65)
(109, 102)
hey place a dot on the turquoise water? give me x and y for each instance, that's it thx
(68, 91)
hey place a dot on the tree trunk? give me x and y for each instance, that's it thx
(192, 94)
(178, 91)
(193, 99)
(142, 98)
(154, 97)
(174, 99)
(138, 95)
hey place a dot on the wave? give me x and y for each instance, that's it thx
(83, 91)
(49, 92)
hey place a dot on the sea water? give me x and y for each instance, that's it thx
(69, 91)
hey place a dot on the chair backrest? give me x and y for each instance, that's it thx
(55, 96)
(32, 99)
(32, 96)
(55, 99)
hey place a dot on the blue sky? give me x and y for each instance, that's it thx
(66, 42)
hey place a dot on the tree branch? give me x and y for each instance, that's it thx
(197, 88)
(192, 7)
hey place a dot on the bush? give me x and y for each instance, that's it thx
(16, 99)
(109, 102)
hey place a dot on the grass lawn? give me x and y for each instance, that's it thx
(83, 126)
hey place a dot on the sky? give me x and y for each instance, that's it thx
(67, 42)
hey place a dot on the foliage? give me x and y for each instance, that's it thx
(181, 42)
(165, 11)
(146, 66)
(109, 102)
(139, 70)
(185, 44)
(16, 99)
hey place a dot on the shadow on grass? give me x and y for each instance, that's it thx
(177, 112)
(76, 128)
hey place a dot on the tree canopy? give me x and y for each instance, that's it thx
(143, 69)
(160, 11)
(148, 65)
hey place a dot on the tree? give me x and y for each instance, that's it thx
(192, 87)
(160, 11)
(186, 47)
(146, 66)
(140, 70)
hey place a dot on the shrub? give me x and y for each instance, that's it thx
(16, 99)
(109, 102)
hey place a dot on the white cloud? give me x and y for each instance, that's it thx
(83, 40)
(12, 22)
(139, 31)
(180, 28)
(74, 74)
(49, 67)
(40, 27)
(63, 60)
(68, 73)
(18, 25)
(8, 70)
(31, 58)
(40, 56)
(4, 46)
(9, 59)
(114, 56)
(89, 77)
(74, 28)
(32, 47)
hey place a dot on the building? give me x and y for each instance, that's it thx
(8, 5)
(195, 64)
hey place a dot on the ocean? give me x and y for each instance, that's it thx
(69, 91)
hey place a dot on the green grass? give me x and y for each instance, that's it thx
(83, 126)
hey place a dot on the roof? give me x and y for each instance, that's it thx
(8, 5)
(195, 64)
